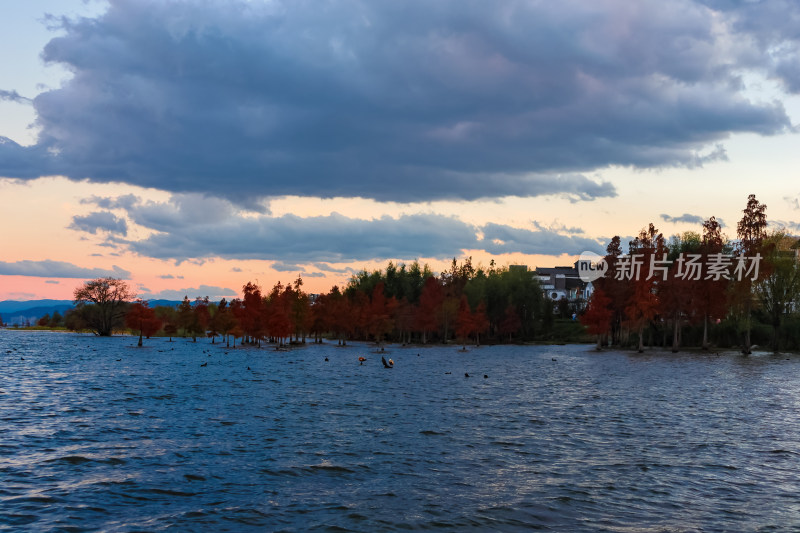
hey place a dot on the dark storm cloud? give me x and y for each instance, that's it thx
(100, 221)
(58, 269)
(402, 101)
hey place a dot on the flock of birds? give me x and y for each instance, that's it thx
(361, 360)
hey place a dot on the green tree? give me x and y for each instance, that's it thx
(56, 320)
(780, 288)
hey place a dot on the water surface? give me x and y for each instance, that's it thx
(99, 435)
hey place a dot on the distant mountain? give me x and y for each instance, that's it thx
(18, 312)
(11, 306)
(164, 303)
(32, 314)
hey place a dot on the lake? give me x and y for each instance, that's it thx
(100, 435)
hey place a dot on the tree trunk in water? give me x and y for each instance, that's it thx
(676, 326)
(641, 339)
(599, 343)
(705, 332)
(774, 341)
(746, 341)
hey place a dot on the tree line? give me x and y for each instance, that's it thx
(401, 303)
(706, 287)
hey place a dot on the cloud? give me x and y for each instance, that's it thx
(689, 219)
(100, 221)
(793, 201)
(770, 30)
(125, 201)
(557, 227)
(499, 239)
(13, 96)
(58, 269)
(333, 238)
(327, 268)
(787, 225)
(286, 267)
(214, 293)
(400, 101)
(295, 242)
(299, 269)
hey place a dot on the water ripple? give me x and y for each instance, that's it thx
(595, 442)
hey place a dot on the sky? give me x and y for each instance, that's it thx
(191, 146)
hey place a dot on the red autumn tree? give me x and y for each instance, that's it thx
(709, 295)
(320, 322)
(300, 311)
(238, 313)
(430, 301)
(141, 317)
(598, 315)
(339, 314)
(404, 319)
(617, 290)
(380, 314)
(480, 322)
(465, 322)
(650, 249)
(511, 323)
(252, 315)
(278, 313)
(751, 230)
